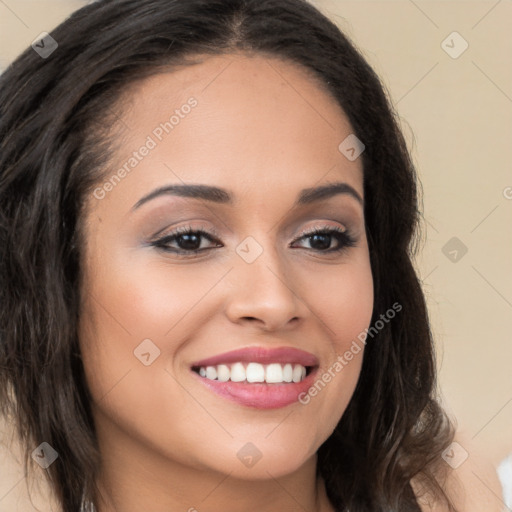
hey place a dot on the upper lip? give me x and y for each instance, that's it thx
(261, 355)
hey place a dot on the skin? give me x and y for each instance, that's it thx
(265, 130)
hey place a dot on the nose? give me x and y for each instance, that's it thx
(262, 293)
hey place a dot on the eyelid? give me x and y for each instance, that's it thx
(213, 233)
(323, 227)
(343, 235)
(166, 232)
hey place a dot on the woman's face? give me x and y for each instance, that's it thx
(154, 311)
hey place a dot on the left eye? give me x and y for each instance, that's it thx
(324, 236)
(189, 240)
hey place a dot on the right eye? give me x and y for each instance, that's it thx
(188, 240)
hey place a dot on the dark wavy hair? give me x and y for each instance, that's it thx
(56, 116)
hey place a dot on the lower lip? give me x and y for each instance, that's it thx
(260, 395)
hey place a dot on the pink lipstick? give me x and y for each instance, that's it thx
(259, 377)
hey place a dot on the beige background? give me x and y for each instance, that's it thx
(457, 117)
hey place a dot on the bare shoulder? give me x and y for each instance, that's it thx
(469, 480)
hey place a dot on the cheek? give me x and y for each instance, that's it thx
(343, 301)
(129, 307)
(134, 307)
(342, 298)
(150, 297)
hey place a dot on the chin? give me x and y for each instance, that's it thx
(262, 457)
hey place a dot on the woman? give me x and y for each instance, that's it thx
(207, 219)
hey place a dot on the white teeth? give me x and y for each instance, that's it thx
(211, 372)
(238, 372)
(274, 373)
(288, 373)
(297, 373)
(255, 372)
(223, 373)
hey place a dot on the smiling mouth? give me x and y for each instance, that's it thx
(273, 373)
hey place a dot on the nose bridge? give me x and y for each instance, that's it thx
(262, 265)
(262, 284)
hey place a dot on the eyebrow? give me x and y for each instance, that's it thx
(222, 196)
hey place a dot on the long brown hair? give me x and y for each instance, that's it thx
(55, 114)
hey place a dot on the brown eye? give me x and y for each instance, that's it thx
(321, 239)
(187, 239)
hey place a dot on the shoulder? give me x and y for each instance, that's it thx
(469, 480)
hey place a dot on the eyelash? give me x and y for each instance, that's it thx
(344, 237)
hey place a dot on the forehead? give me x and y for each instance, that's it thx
(253, 122)
(239, 74)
